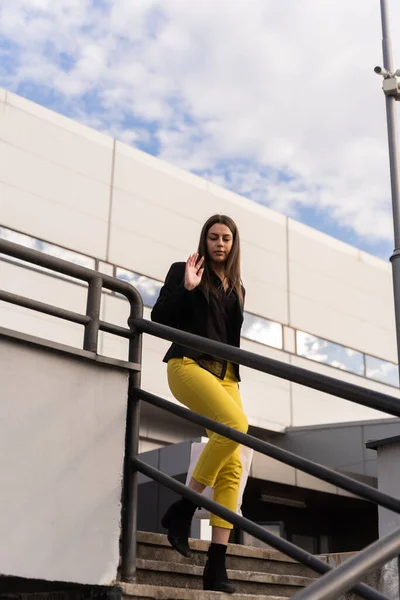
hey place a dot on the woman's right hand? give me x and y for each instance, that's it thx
(194, 271)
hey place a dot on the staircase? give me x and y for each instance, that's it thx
(259, 574)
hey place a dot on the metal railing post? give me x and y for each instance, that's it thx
(93, 312)
(131, 488)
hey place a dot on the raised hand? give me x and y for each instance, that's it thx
(194, 271)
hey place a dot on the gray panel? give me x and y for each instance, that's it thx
(195, 528)
(356, 468)
(151, 458)
(342, 446)
(379, 431)
(174, 459)
(332, 447)
(371, 468)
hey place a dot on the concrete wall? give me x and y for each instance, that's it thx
(72, 186)
(62, 422)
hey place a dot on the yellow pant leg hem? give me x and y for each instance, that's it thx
(218, 522)
(202, 480)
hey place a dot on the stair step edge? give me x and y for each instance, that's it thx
(154, 592)
(239, 550)
(159, 539)
(239, 575)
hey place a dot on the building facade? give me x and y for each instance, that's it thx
(311, 301)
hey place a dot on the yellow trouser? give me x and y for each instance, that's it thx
(219, 464)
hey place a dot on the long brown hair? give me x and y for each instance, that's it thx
(232, 265)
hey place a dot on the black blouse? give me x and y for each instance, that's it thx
(223, 307)
(213, 314)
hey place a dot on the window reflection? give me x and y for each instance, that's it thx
(262, 330)
(329, 353)
(35, 244)
(382, 370)
(147, 287)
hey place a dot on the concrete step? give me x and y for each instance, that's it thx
(258, 573)
(144, 592)
(168, 574)
(154, 546)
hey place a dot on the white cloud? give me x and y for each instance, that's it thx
(277, 100)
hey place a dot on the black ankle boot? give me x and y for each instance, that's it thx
(177, 521)
(214, 576)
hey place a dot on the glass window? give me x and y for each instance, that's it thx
(329, 353)
(262, 330)
(147, 287)
(35, 244)
(382, 370)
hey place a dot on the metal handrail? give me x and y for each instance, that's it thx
(323, 383)
(387, 548)
(96, 281)
(62, 313)
(373, 555)
(343, 577)
(47, 309)
(289, 458)
(257, 531)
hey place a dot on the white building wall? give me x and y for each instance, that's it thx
(62, 442)
(55, 177)
(69, 185)
(340, 293)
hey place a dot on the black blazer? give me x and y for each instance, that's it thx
(189, 311)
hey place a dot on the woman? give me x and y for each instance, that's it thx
(205, 297)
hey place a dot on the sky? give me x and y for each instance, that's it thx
(276, 100)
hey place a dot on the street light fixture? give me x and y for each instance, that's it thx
(391, 86)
